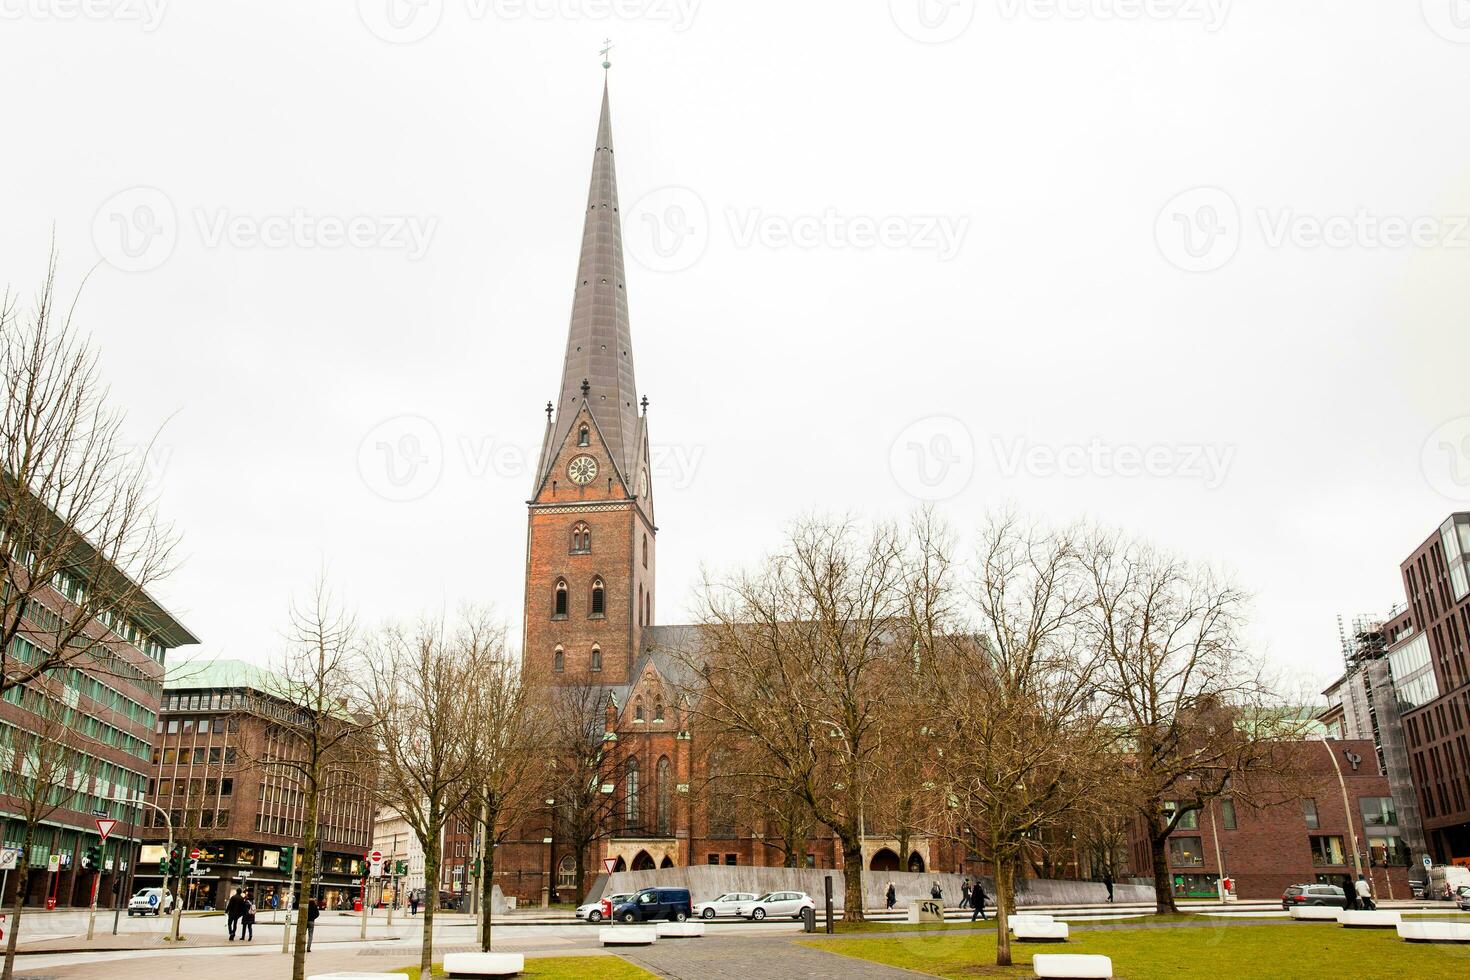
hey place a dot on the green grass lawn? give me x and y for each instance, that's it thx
(1142, 918)
(565, 968)
(1241, 952)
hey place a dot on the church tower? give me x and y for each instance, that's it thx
(590, 531)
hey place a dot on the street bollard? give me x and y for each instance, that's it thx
(809, 919)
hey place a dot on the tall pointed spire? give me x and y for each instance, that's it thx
(599, 340)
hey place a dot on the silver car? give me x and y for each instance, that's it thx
(727, 904)
(777, 904)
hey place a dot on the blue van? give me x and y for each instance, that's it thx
(655, 903)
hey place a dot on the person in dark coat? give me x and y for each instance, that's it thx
(313, 910)
(892, 896)
(965, 893)
(247, 922)
(234, 911)
(413, 905)
(1108, 883)
(977, 900)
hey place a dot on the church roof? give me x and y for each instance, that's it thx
(599, 339)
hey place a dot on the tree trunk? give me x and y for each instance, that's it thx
(487, 887)
(852, 881)
(431, 902)
(1005, 888)
(22, 885)
(581, 866)
(308, 872)
(1158, 842)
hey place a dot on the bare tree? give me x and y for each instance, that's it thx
(1197, 710)
(80, 536)
(509, 770)
(317, 736)
(44, 768)
(1014, 682)
(421, 686)
(799, 660)
(588, 771)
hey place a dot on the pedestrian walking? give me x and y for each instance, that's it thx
(977, 899)
(413, 904)
(247, 922)
(234, 909)
(1108, 883)
(1365, 893)
(312, 911)
(936, 892)
(965, 893)
(892, 896)
(1349, 893)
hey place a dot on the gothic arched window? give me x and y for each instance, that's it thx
(583, 437)
(559, 661)
(640, 603)
(638, 710)
(648, 608)
(581, 538)
(645, 549)
(630, 800)
(599, 602)
(596, 658)
(662, 789)
(658, 711)
(559, 608)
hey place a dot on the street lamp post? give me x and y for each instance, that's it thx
(1347, 809)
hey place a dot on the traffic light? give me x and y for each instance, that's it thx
(193, 866)
(287, 855)
(165, 867)
(475, 869)
(403, 868)
(92, 859)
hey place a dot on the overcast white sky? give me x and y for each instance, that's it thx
(996, 251)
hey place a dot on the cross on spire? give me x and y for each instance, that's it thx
(607, 46)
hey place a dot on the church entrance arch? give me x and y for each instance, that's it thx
(884, 860)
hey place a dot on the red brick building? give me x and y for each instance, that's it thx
(1345, 821)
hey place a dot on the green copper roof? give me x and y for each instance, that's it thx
(197, 673)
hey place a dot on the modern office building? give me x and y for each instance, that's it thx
(214, 772)
(1341, 823)
(99, 709)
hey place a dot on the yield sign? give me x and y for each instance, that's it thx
(104, 827)
(609, 864)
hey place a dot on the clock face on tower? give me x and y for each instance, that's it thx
(582, 470)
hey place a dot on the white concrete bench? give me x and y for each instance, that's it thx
(1070, 965)
(484, 964)
(1363, 919)
(1029, 917)
(1316, 913)
(355, 976)
(1434, 932)
(1040, 932)
(627, 935)
(680, 930)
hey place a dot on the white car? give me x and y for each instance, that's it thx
(150, 901)
(727, 904)
(592, 911)
(778, 904)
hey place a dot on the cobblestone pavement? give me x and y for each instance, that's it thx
(742, 959)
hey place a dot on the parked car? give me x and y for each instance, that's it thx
(592, 911)
(778, 904)
(1462, 897)
(655, 903)
(150, 901)
(1297, 896)
(727, 904)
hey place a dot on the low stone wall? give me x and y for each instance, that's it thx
(707, 881)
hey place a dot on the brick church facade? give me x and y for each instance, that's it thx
(590, 610)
